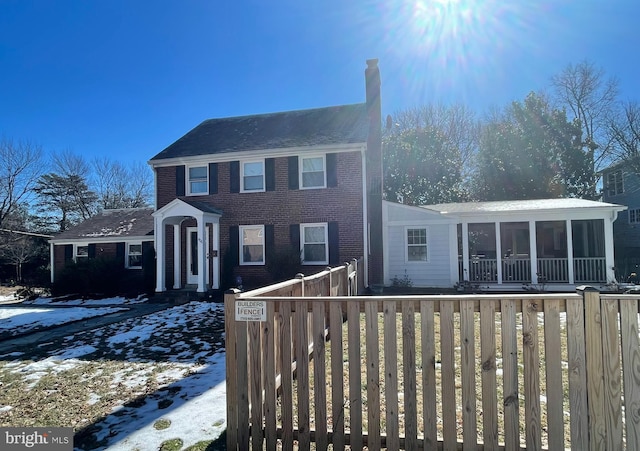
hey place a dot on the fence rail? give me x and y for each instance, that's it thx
(445, 372)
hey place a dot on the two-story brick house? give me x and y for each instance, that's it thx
(234, 193)
(621, 185)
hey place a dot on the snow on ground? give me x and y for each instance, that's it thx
(18, 320)
(181, 348)
(118, 300)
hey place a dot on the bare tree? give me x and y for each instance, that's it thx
(20, 168)
(591, 97)
(120, 186)
(624, 130)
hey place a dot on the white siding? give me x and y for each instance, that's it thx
(433, 273)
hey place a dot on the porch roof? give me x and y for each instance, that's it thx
(520, 206)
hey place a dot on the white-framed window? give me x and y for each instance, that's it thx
(252, 176)
(314, 244)
(81, 252)
(198, 180)
(313, 172)
(134, 255)
(252, 245)
(416, 244)
(634, 216)
(614, 183)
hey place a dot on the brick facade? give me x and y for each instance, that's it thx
(281, 208)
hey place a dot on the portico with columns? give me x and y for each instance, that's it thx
(194, 249)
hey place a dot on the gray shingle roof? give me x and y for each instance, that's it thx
(117, 223)
(516, 205)
(344, 124)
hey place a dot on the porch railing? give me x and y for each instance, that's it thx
(590, 269)
(553, 270)
(516, 270)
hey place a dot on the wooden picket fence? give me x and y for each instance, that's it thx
(535, 371)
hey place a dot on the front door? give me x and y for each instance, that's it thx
(192, 255)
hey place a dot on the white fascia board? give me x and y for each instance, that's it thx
(258, 153)
(537, 215)
(102, 239)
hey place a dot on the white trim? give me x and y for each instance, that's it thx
(264, 176)
(406, 244)
(188, 180)
(326, 242)
(225, 157)
(97, 240)
(127, 253)
(241, 229)
(324, 171)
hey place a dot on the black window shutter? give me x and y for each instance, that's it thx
(234, 174)
(332, 170)
(91, 251)
(68, 252)
(294, 235)
(234, 244)
(120, 252)
(270, 174)
(213, 178)
(180, 180)
(293, 172)
(269, 242)
(334, 244)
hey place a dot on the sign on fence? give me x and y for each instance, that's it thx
(251, 310)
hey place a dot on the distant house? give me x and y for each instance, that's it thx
(560, 243)
(122, 234)
(235, 194)
(621, 185)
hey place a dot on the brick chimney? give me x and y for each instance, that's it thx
(374, 173)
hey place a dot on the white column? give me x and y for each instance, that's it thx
(453, 253)
(177, 253)
(159, 241)
(498, 252)
(52, 262)
(215, 283)
(608, 250)
(466, 274)
(533, 252)
(569, 234)
(202, 255)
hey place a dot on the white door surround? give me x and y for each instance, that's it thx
(174, 214)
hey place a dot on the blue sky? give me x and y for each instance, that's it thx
(125, 79)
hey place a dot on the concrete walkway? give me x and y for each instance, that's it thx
(51, 333)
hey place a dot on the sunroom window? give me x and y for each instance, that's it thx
(82, 253)
(417, 245)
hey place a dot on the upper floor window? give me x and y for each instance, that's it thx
(314, 244)
(252, 245)
(81, 253)
(417, 245)
(252, 176)
(312, 172)
(614, 183)
(134, 255)
(198, 182)
(634, 216)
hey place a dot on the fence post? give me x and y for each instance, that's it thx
(231, 368)
(595, 367)
(300, 277)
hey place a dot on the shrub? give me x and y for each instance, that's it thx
(100, 276)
